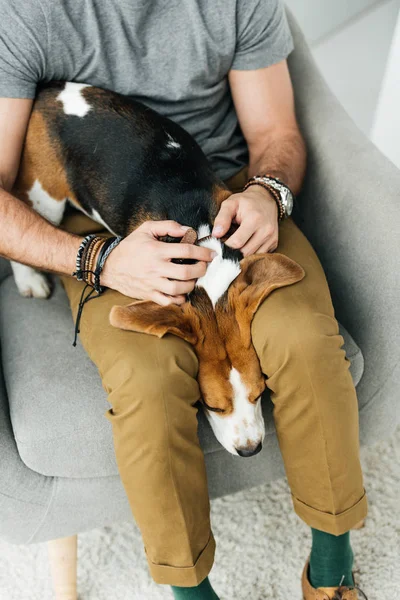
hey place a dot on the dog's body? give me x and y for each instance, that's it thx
(122, 164)
(117, 160)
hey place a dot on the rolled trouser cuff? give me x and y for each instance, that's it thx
(328, 522)
(185, 576)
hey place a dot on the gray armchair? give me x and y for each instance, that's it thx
(57, 467)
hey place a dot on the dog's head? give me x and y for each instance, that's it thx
(216, 320)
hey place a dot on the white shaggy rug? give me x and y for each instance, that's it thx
(261, 547)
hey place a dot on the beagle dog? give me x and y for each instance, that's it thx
(122, 163)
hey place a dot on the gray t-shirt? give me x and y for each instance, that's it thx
(173, 55)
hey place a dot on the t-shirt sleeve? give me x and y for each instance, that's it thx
(23, 47)
(263, 34)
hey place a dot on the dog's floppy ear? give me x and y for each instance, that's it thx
(145, 316)
(260, 275)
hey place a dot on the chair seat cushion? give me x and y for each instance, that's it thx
(57, 402)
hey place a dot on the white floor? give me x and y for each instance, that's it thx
(261, 547)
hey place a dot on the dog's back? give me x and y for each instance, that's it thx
(116, 159)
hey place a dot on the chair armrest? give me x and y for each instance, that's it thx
(349, 209)
(24, 494)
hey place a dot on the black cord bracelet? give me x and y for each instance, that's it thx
(81, 274)
(105, 251)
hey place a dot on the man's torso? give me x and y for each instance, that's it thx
(173, 55)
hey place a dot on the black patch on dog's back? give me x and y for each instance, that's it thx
(119, 161)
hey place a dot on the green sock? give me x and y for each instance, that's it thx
(203, 591)
(331, 558)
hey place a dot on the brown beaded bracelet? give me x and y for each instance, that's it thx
(274, 193)
(86, 261)
(96, 246)
(85, 255)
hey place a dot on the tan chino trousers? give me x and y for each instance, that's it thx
(152, 388)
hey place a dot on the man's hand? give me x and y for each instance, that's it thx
(141, 267)
(256, 213)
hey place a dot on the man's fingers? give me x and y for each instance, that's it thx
(254, 243)
(161, 228)
(172, 287)
(241, 235)
(267, 247)
(174, 250)
(263, 249)
(184, 272)
(224, 218)
(165, 300)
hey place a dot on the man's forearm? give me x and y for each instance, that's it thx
(28, 238)
(282, 155)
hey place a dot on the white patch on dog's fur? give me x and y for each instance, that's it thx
(220, 272)
(240, 392)
(29, 282)
(171, 142)
(203, 231)
(45, 205)
(96, 217)
(73, 101)
(244, 428)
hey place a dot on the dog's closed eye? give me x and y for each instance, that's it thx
(214, 408)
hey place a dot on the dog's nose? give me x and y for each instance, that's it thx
(249, 451)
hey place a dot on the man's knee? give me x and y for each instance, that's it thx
(300, 336)
(147, 374)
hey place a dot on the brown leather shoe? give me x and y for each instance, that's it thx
(328, 593)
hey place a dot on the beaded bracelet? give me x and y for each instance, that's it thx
(97, 244)
(275, 194)
(83, 256)
(93, 249)
(78, 273)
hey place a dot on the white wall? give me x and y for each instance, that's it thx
(386, 127)
(318, 18)
(350, 41)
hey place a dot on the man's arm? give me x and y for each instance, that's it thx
(24, 235)
(264, 104)
(28, 238)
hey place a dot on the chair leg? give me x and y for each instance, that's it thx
(63, 565)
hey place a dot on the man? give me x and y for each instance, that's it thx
(211, 66)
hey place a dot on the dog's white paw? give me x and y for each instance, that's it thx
(30, 283)
(36, 286)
